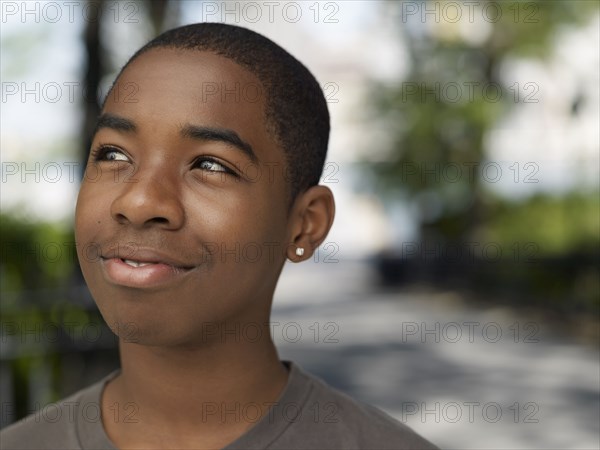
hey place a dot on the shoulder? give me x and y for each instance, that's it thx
(333, 419)
(57, 425)
(50, 427)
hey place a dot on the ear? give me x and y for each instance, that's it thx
(311, 218)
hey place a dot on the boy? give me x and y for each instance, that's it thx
(170, 196)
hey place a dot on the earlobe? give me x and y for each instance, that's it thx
(312, 217)
(299, 253)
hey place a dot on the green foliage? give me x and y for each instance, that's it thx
(557, 225)
(432, 127)
(41, 320)
(549, 244)
(34, 255)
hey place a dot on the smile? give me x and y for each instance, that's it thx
(142, 274)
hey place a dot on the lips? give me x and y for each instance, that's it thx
(142, 268)
(137, 255)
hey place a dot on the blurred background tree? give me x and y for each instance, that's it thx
(439, 116)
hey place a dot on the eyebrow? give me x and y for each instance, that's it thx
(116, 123)
(226, 135)
(201, 133)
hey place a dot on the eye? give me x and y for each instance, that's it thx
(109, 153)
(211, 165)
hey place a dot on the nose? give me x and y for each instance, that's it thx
(149, 198)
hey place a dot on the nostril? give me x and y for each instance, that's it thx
(120, 218)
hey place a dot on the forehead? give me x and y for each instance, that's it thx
(164, 89)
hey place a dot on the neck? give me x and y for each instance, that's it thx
(195, 390)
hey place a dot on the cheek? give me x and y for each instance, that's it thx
(89, 220)
(93, 205)
(84, 215)
(241, 228)
(82, 218)
(238, 210)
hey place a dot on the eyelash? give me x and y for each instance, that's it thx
(201, 159)
(99, 154)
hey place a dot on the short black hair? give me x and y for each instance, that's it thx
(296, 109)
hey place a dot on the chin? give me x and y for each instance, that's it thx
(144, 331)
(143, 324)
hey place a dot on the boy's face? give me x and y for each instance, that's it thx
(172, 187)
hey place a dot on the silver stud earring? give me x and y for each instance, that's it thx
(299, 251)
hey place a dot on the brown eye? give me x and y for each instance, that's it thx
(115, 155)
(211, 165)
(107, 153)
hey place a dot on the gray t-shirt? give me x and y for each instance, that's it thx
(308, 415)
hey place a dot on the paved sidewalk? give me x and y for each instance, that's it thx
(462, 377)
